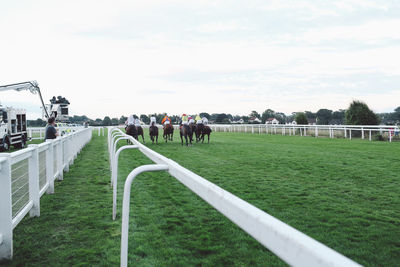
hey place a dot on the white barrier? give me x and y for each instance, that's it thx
(292, 246)
(331, 131)
(25, 175)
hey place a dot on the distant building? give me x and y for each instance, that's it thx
(241, 121)
(271, 121)
(254, 120)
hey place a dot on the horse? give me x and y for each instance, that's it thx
(153, 132)
(140, 132)
(131, 130)
(199, 129)
(206, 131)
(185, 131)
(168, 132)
(193, 128)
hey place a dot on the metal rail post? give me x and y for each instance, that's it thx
(114, 177)
(6, 230)
(126, 204)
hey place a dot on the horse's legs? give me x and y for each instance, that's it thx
(157, 139)
(143, 139)
(208, 138)
(181, 139)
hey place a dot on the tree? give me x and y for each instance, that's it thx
(205, 114)
(338, 116)
(281, 117)
(301, 118)
(324, 116)
(222, 118)
(122, 120)
(396, 115)
(269, 113)
(144, 119)
(114, 121)
(107, 121)
(359, 113)
(255, 114)
(310, 115)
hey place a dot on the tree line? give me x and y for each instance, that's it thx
(358, 113)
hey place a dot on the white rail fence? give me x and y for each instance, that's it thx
(332, 131)
(38, 133)
(25, 175)
(289, 244)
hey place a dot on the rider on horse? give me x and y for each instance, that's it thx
(198, 120)
(153, 121)
(137, 122)
(166, 120)
(131, 120)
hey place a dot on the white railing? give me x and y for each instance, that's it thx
(25, 175)
(292, 246)
(331, 131)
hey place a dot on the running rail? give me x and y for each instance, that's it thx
(289, 244)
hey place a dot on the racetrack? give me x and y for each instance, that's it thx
(343, 193)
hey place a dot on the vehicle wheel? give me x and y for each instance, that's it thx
(6, 144)
(23, 141)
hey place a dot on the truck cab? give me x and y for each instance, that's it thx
(12, 128)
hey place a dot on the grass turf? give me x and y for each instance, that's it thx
(340, 192)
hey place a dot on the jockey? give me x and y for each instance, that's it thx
(137, 122)
(131, 120)
(153, 120)
(191, 120)
(185, 119)
(205, 120)
(166, 120)
(198, 120)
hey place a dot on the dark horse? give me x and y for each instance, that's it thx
(205, 131)
(199, 129)
(140, 132)
(186, 132)
(131, 130)
(153, 131)
(168, 132)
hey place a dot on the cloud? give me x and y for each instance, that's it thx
(121, 57)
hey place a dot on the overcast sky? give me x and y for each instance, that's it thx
(123, 57)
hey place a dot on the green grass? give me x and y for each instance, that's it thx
(345, 194)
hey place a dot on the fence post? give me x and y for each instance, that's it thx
(362, 133)
(316, 131)
(60, 162)
(345, 132)
(252, 129)
(370, 137)
(350, 134)
(34, 181)
(6, 246)
(50, 167)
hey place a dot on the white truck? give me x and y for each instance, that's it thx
(13, 121)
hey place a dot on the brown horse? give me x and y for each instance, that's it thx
(185, 131)
(131, 130)
(199, 129)
(168, 132)
(206, 131)
(140, 132)
(193, 128)
(153, 132)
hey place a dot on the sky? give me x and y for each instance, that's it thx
(125, 57)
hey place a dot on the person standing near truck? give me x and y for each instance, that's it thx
(51, 131)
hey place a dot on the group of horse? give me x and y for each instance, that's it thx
(186, 132)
